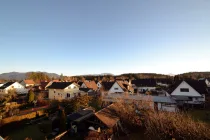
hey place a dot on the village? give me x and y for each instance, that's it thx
(105, 70)
(62, 109)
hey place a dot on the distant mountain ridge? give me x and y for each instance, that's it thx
(22, 75)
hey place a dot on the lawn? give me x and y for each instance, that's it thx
(200, 115)
(30, 131)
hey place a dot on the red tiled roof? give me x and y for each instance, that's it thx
(29, 82)
(91, 85)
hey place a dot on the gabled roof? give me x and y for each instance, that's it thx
(85, 89)
(199, 86)
(1, 81)
(124, 85)
(107, 85)
(165, 81)
(144, 82)
(107, 116)
(59, 85)
(80, 83)
(91, 85)
(30, 82)
(6, 85)
(43, 84)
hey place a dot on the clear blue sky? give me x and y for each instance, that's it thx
(105, 36)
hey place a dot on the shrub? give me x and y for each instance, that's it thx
(160, 125)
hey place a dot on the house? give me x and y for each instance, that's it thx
(99, 85)
(115, 87)
(80, 83)
(206, 80)
(27, 83)
(189, 92)
(50, 83)
(143, 85)
(89, 84)
(106, 86)
(43, 86)
(5, 88)
(63, 90)
(164, 82)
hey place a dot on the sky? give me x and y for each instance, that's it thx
(76, 37)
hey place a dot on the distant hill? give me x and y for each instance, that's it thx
(193, 75)
(22, 75)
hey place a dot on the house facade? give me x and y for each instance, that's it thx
(143, 85)
(5, 88)
(116, 88)
(109, 88)
(163, 82)
(63, 90)
(99, 85)
(27, 83)
(190, 92)
(206, 80)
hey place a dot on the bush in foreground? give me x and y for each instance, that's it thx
(160, 125)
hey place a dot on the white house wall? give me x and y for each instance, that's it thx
(99, 85)
(83, 85)
(17, 86)
(59, 94)
(115, 89)
(192, 92)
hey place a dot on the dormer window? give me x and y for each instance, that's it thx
(184, 89)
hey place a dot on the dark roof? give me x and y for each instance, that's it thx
(6, 85)
(44, 84)
(59, 85)
(144, 82)
(84, 89)
(165, 81)
(80, 83)
(79, 116)
(181, 98)
(199, 86)
(107, 85)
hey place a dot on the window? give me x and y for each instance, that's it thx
(115, 88)
(184, 89)
(54, 90)
(58, 93)
(68, 95)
